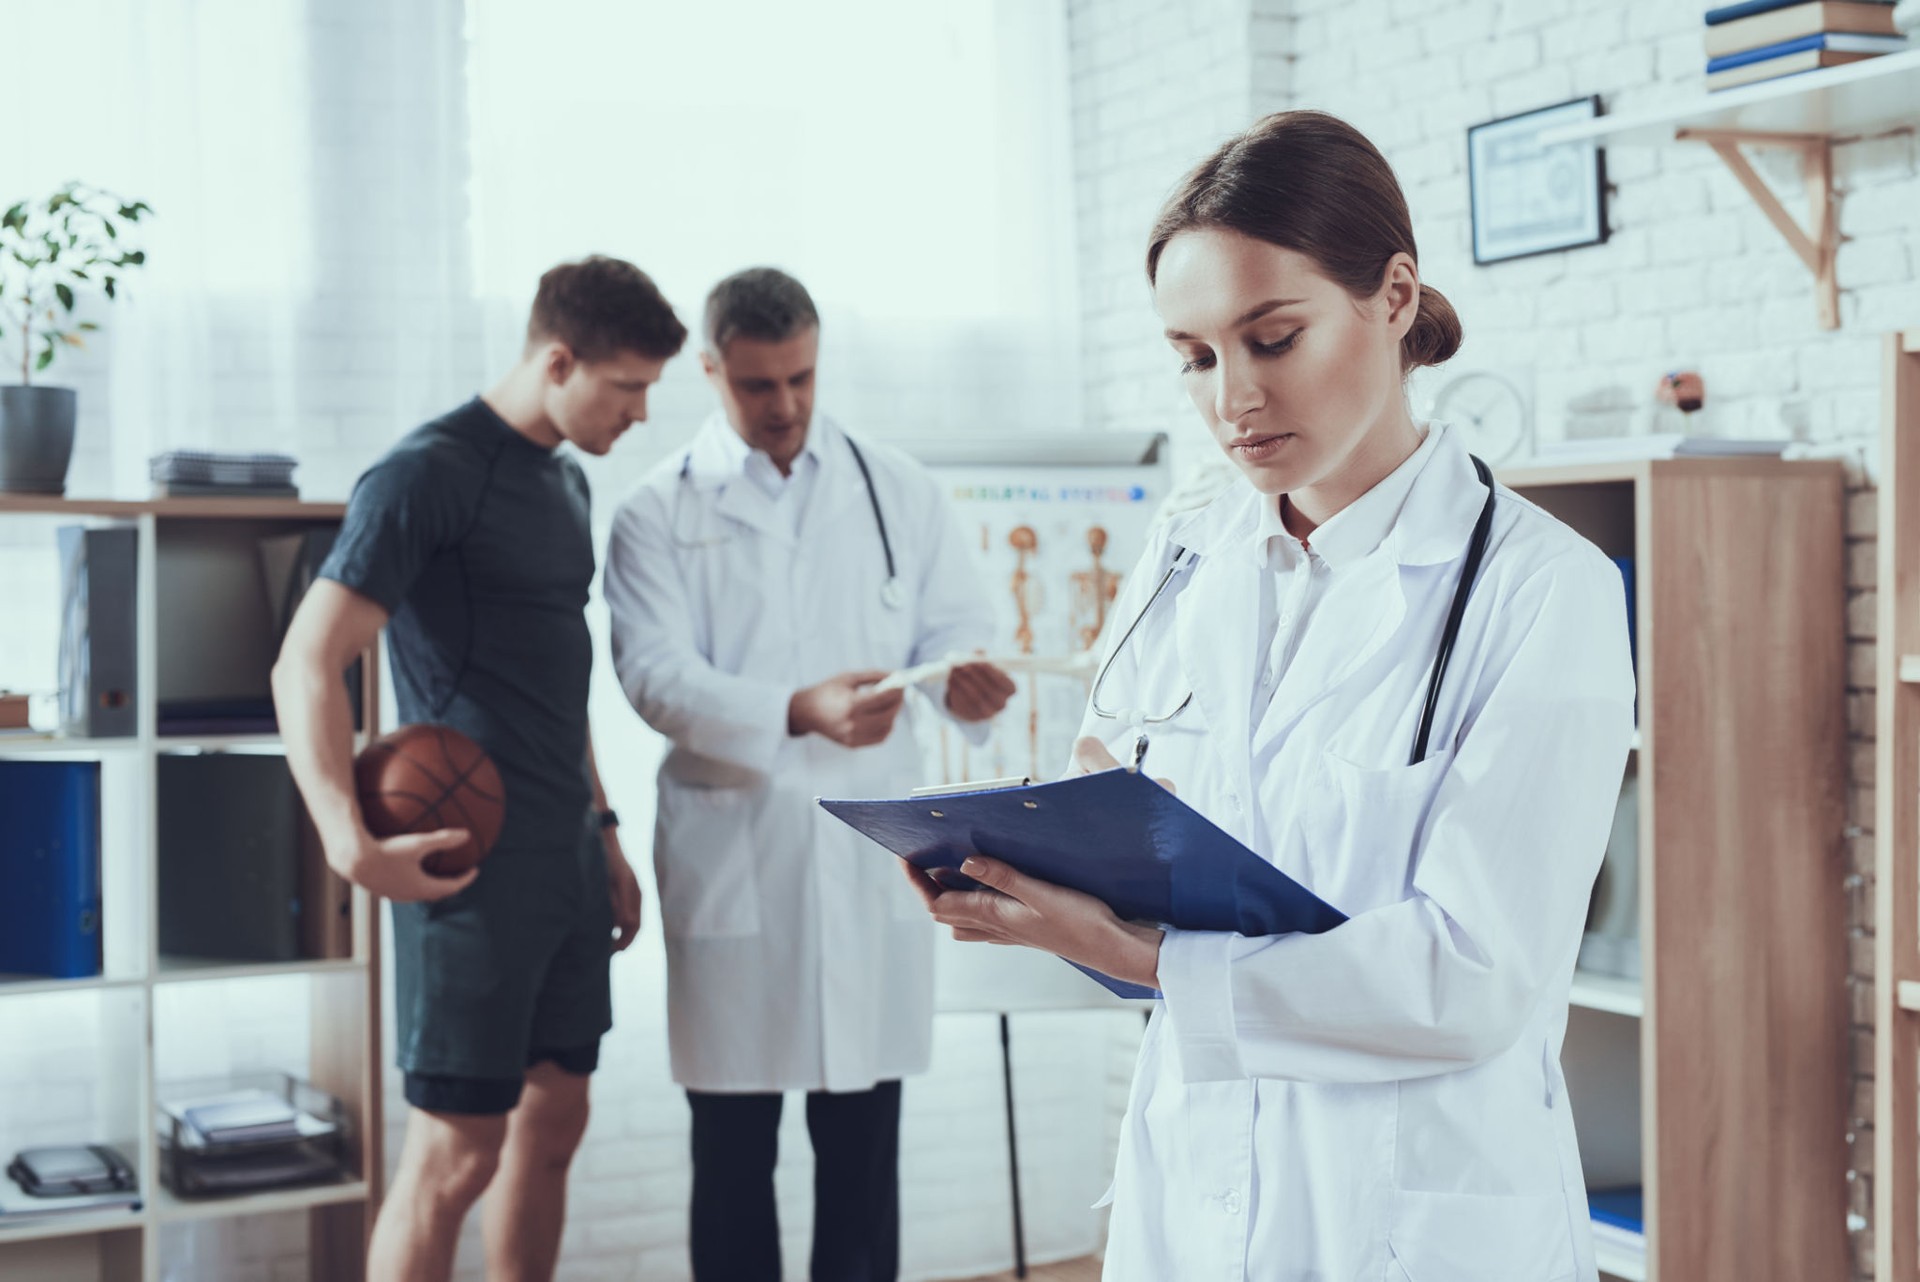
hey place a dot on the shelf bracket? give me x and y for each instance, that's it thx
(1814, 245)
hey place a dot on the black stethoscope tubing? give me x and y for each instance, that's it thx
(1476, 553)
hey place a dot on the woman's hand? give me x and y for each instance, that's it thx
(1018, 909)
(1090, 756)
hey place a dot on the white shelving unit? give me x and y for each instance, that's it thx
(139, 984)
(1608, 993)
(1806, 113)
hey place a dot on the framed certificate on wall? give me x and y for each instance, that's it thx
(1529, 197)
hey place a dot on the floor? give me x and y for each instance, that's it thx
(1081, 1270)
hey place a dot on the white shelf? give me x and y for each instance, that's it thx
(265, 744)
(1615, 1263)
(14, 743)
(189, 970)
(169, 1209)
(27, 985)
(1872, 96)
(1608, 993)
(70, 1224)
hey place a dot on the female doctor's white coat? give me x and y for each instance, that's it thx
(1381, 1103)
(798, 957)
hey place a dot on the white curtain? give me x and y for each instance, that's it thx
(910, 163)
(307, 287)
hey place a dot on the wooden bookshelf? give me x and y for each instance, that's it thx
(1896, 1064)
(1718, 1081)
(342, 982)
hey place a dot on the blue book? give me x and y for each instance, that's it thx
(50, 868)
(1821, 40)
(1746, 9)
(1623, 1208)
(1116, 835)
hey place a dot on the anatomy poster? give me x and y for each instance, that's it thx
(1055, 543)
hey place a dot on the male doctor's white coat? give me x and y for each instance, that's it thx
(1383, 1102)
(798, 957)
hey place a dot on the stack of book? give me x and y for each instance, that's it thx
(181, 474)
(1619, 1225)
(1762, 39)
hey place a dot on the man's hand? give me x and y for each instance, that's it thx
(391, 868)
(840, 710)
(978, 691)
(624, 889)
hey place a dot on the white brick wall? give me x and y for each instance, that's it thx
(1692, 277)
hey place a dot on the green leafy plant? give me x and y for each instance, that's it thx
(51, 252)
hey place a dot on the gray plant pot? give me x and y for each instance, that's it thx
(36, 439)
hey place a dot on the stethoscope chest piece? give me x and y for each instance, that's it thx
(891, 594)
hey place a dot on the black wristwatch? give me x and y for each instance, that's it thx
(608, 819)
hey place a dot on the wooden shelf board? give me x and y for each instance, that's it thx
(29, 985)
(190, 970)
(1875, 95)
(1608, 993)
(1615, 1263)
(74, 1224)
(169, 1209)
(238, 508)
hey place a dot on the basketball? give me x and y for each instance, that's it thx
(424, 778)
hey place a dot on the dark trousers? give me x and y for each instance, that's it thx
(856, 1186)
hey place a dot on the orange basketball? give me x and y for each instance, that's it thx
(424, 778)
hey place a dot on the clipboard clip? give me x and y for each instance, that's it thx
(1139, 753)
(983, 785)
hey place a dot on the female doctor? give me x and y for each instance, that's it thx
(1382, 1101)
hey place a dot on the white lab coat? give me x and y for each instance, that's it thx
(1384, 1101)
(798, 958)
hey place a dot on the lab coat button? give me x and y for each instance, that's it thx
(1231, 1201)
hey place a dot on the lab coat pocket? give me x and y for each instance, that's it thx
(1361, 826)
(704, 851)
(1466, 1237)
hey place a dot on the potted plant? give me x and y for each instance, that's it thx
(51, 252)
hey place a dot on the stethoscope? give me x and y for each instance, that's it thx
(1183, 559)
(892, 595)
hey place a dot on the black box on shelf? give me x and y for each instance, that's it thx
(250, 1133)
(227, 591)
(241, 875)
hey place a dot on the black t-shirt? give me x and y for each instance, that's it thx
(478, 544)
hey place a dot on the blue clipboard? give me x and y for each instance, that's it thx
(1116, 835)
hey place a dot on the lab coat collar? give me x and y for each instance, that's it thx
(1358, 528)
(1437, 520)
(717, 465)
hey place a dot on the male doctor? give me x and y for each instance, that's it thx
(761, 583)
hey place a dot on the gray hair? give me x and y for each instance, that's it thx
(763, 303)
